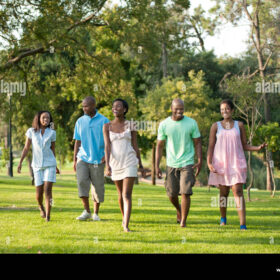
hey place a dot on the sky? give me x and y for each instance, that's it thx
(230, 39)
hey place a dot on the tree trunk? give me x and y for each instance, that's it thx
(164, 60)
(268, 171)
(154, 164)
(261, 65)
(251, 176)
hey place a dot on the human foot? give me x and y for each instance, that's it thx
(183, 224)
(178, 217)
(126, 229)
(42, 211)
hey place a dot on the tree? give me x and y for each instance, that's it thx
(270, 133)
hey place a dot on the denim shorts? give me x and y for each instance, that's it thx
(47, 174)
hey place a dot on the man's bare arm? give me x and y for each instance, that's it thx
(76, 150)
(198, 152)
(159, 149)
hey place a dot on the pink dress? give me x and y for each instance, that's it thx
(228, 158)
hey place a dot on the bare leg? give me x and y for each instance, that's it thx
(96, 207)
(48, 199)
(240, 202)
(39, 198)
(186, 203)
(175, 201)
(119, 185)
(127, 201)
(85, 203)
(224, 192)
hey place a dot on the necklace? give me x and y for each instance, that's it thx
(227, 125)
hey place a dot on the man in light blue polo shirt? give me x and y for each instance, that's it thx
(89, 157)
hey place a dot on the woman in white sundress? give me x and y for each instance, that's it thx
(122, 157)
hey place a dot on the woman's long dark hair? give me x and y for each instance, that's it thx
(36, 121)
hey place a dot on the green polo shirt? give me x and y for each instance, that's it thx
(179, 144)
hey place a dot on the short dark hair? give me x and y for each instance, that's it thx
(90, 99)
(228, 102)
(125, 104)
(36, 120)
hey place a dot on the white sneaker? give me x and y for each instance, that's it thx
(85, 215)
(95, 217)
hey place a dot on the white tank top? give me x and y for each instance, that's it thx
(122, 153)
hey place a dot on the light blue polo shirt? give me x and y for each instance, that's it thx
(90, 132)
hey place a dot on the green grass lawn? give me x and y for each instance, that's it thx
(153, 222)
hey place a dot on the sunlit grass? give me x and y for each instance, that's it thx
(153, 222)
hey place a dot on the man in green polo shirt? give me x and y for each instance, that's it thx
(182, 138)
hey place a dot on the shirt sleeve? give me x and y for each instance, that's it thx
(195, 130)
(53, 139)
(161, 132)
(77, 135)
(29, 133)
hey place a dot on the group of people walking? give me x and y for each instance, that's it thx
(110, 147)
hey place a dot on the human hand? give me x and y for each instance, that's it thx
(211, 168)
(197, 167)
(19, 168)
(108, 171)
(143, 171)
(262, 146)
(75, 165)
(158, 173)
(57, 171)
(103, 160)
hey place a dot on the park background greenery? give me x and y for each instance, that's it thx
(147, 52)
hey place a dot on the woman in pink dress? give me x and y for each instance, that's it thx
(226, 160)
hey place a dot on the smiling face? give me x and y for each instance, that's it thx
(45, 119)
(118, 109)
(226, 111)
(177, 109)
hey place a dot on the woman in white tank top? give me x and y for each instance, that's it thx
(122, 157)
